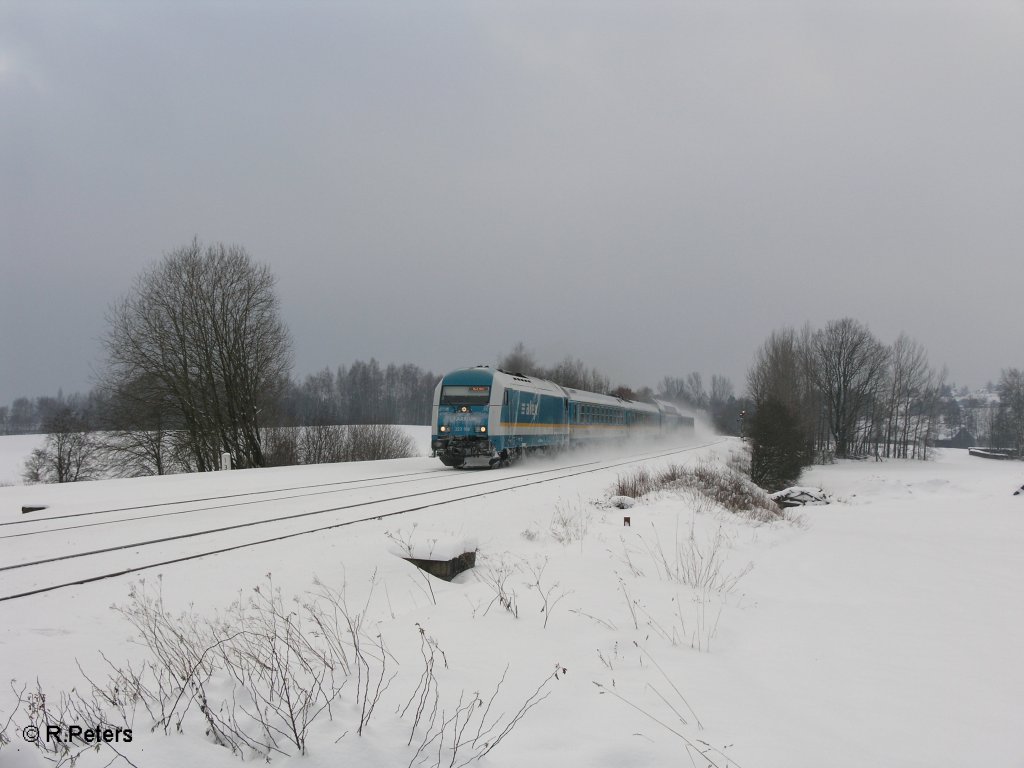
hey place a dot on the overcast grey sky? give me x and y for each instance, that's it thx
(652, 187)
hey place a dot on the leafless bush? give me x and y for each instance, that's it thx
(695, 563)
(59, 714)
(281, 446)
(466, 732)
(570, 521)
(410, 550)
(675, 721)
(549, 593)
(635, 484)
(724, 485)
(4, 738)
(733, 491)
(696, 629)
(283, 665)
(333, 443)
(322, 444)
(276, 666)
(739, 461)
(498, 576)
(372, 442)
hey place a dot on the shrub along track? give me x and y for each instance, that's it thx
(532, 478)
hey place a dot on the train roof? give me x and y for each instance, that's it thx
(485, 374)
(510, 378)
(580, 396)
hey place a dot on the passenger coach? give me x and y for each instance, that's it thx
(485, 416)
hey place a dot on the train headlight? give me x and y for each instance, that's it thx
(444, 428)
(483, 429)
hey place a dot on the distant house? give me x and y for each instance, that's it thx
(962, 439)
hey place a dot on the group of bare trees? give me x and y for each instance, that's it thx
(839, 391)
(363, 393)
(27, 416)
(70, 453)
(720, 403)
(571, 372)
(198, 362)
(1008, 417)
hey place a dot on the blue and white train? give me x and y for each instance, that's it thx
(487, 416)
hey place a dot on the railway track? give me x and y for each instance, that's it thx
(349, 486)
(348, 483)
(181, 547)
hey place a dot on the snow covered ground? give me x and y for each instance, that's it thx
(883, 629)
(14, 449)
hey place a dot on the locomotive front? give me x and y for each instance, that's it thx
(461, 424)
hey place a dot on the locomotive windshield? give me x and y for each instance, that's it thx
(452, 395)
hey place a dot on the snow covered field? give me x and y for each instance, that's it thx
(14, 449)
(883, 629)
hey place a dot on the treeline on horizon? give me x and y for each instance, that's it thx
(199, 365)
(332, 415)
(894, 405)
(366, 392)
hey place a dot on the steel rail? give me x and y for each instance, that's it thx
(283, 537)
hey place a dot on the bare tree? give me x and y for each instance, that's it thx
(1011, 403)
(782, 426)
(70, 453)
(907, 383)
(849, 364)
(520, 360)
(694, 392)
(22, 417)
(690, 390)
(721, 389)
(140, 434)
(574, 373)
(672, 388)
(204, 327)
